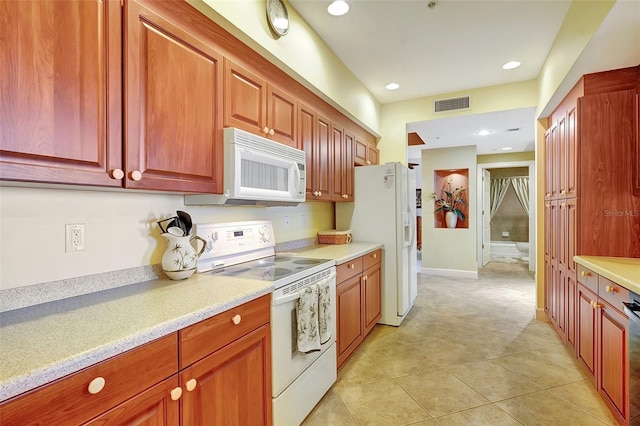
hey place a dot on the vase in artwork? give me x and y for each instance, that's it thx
(451, 218)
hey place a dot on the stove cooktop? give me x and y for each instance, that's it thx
(280, 270)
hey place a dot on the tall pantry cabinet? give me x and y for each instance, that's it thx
(591, 208)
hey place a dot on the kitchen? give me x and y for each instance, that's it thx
(120, 225)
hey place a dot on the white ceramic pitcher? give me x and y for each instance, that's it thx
(180, 259)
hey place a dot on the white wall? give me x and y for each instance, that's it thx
(446, 251)
(121, 230)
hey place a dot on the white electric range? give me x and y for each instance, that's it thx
(247, 250)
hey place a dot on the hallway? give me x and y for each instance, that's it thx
(469, 353)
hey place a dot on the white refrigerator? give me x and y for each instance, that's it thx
(384, 210)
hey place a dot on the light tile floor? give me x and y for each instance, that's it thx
(469, 353)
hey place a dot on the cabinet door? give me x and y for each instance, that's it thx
(232, 386)
(60, 103)
(173, 92)
(282, 110)
(308, 134)
(586, 329)
(153, 407)
(338, 160)
(373, 154)
(361, 148)
(349, 311)
(613, 374)
(562, 152)
(322, 165)
(571, 153)
(636, 150)
(371, 287)
(245, 95)
(348, 165)
(570, 288)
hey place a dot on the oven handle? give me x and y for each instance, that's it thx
(295, 295)
(631, 313)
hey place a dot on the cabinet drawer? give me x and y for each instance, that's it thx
(612, 293)
(68, 401)
(205, 337)
(348, 269)
(588, 278)
(371, 259)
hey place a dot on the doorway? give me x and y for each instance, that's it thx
(484, 233)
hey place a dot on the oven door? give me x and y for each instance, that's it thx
(286, 362)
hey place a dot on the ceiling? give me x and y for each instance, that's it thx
(454, 46)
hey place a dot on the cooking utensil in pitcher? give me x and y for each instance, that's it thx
(185, 220)
(165, 224)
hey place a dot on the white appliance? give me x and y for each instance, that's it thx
(384, 210)
(257, 171)
(247, 250)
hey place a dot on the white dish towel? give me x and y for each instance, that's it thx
(324, 310)
(307, 318)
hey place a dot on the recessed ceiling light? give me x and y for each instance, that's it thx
(511, 65)
(392, 86)
(484, 132)
(338, 8)
(507, 148)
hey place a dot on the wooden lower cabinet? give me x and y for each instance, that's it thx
(602, 341)
(228, 384)
(154, 406)
(612, 367)
(232, 386)
(359, 301)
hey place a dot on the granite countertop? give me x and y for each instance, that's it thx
(340, 252)
(624, 271)
(42, 343)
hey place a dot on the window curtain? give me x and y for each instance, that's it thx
(521, 186)
(499, 188)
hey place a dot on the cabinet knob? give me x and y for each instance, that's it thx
(236, 319)
(352, 266)
(319, 193)
(563, 205)
(585, 273)
(375, 255)
(563, 191)
(96, 385)
(135, 175)
(271, 132)
(365, 277)
(610, 289)
(176, 393)
(368, 162)
(266, 130)
(191, 384)
(548, 194)
(117, 173)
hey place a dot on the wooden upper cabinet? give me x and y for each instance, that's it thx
(364, 153)
(61, 92)
(254, 105)
(244, 99)
(342, 142)
(636, 148)
(173, 90)
(315, 139)
(281, 116)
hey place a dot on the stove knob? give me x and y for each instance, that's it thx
(264, 233)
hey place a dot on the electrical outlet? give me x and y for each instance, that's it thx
(74, 237)
(286, 222)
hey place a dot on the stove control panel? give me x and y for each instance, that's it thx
(233, 242)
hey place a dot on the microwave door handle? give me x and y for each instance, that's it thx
(298, 178)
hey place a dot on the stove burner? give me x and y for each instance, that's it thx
(274, 272)
(307, 261)
(281, 258)
(266, 263)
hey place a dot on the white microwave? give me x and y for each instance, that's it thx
(257, 171)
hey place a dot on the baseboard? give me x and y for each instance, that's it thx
(456, 273)
(541, 315)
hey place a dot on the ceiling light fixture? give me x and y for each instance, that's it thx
(484, 132)
(338, 8)
(507, 148)
(511, 65)
(392, 86)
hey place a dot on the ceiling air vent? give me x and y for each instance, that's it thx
(513, 129)
(454, 104)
